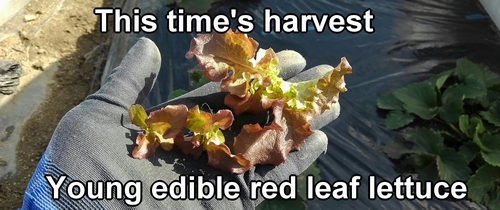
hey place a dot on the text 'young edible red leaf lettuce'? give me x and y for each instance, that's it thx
(250, 77)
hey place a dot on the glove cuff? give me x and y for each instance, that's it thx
(39, 193)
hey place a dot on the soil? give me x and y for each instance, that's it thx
(70, 38)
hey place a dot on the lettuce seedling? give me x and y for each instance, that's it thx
(250, 76)
(208, 136)
(161, 127)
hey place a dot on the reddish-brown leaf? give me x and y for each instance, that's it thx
(332, 84)
(220, 157)
(216, 52)
(168, 121)
(272, 143)
(189, 146)
(146, 146)
(223, 119)
(160, 128)
(298, 126)
(238, 87)
(251, 103)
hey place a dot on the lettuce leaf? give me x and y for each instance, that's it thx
(160, 128)
(250, 76)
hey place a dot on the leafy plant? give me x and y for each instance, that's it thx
(463, 108)
(161, 127)
(196, 80)
(251, 79)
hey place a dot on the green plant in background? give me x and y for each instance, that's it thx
(196, 79)
(463, 108)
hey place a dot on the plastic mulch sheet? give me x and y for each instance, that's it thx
(413, 40)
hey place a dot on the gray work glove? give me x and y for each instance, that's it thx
(94, 141)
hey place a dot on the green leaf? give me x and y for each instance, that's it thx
(478, 142)
(425, 141)
(397, 119)
(483, 182)
(466, 68)
(469, 151)
(472, 126)
(492, 157)
(494, 94)
(493, 201)
(460, 92)
(451, 166)
(281, 204)
(463, 123)
(476, 83)
(490, 128)
(451, 111)
(198, 121)
(176, 93)
(200, 82)
(425, 166)
(495, 88)
(138, 116)
(482, 101)
(493, 113)
(441, 78)
(420, 99)
(485, 101)
(492, 142)
(476, 125)
(494, 204)
(389, 102)
(302, 180)
(446, 133)
(196, 74)
(395, 148)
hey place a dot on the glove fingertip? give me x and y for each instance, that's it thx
(312, 73)
(131, 81)
(318, 141)
(290, 63)
(320, 121)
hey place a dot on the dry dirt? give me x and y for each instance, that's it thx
(67, 38)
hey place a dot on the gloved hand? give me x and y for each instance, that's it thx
(94, 140)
